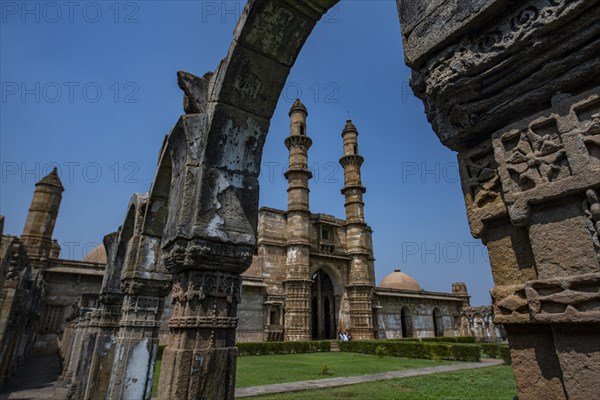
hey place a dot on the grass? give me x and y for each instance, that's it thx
(265, 370)
(492, 383)
(156, 376)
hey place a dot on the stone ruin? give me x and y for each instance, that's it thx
(512, 86)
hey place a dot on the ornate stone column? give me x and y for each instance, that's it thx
(84, 309)
(111, 301)
(297, 283)
(515, 89)
(201, 355)
(144, 285)
(360, 283)
(86, 353)
(137, 341)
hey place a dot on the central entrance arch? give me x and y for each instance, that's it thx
(323, 307)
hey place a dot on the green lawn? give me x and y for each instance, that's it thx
(493, 383)
(265, 370)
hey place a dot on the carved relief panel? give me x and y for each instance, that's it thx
(550, 155)
(481, 186)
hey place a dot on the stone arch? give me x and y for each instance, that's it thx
(131, 225)
(465, 326)
(155, 217)
(228, 115)
(478, 326)
(333, 274)
(324, 305)
(406, 322)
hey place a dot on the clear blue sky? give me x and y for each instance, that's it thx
(91, 86)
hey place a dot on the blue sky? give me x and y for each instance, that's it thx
(91, 87)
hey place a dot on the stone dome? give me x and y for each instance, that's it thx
(96, 255)
(401, 281)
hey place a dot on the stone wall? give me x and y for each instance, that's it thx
(419, 315)
(252, 315)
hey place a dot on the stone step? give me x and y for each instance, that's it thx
(334, 346)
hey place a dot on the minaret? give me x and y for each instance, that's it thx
(37, 234)
(297, 283)
(360, 283)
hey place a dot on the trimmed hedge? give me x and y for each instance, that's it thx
(412, 349)
(440, 339)
(492, 350)
(266, 348)
(504, 351)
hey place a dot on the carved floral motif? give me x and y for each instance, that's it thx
(535, 158)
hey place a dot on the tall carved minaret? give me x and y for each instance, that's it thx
(297, 283)
(360, 283)
(37, 234)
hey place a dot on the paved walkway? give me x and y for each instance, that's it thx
(36, 379)
(352, 380)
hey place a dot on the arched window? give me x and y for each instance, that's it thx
(302, 130)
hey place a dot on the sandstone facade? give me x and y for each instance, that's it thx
(332, 265)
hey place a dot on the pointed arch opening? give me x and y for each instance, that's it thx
(323, 306)
(438, 323)
(406, 322)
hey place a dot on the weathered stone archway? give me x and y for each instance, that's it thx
(224, 129)
(325, 305)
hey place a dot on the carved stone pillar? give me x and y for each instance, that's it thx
(81, 339)
(200, 359)
(144, 286)
(86, 353)
(360, 282)
(515, 89)
(111, 301)
(137, 341)
(297, 283)
(66, 346)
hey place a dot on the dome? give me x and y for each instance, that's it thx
(401, 281)
(96, 255)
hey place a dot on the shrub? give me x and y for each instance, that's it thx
(380, 351)
(492, 350)
(411, 349)
(441, 339)
(465, 339)
(504, 351)
(266, 348)
(324, 370)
